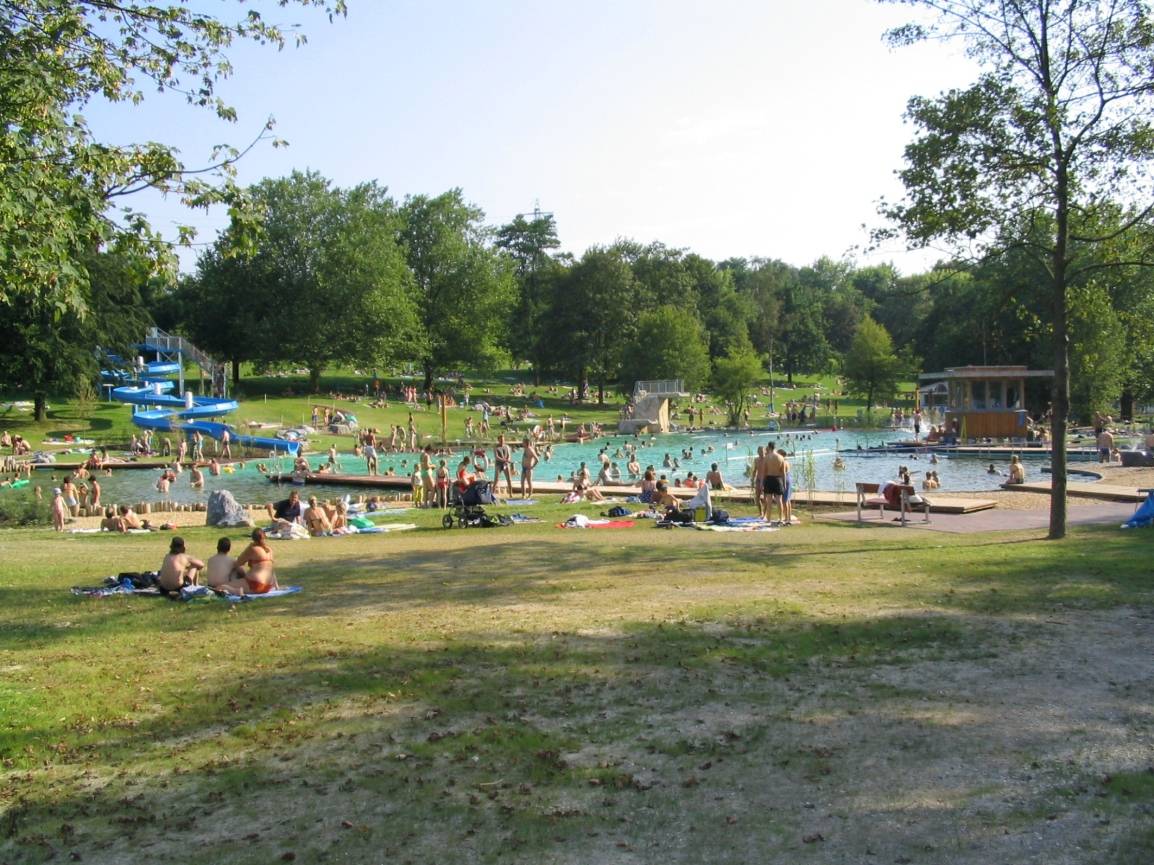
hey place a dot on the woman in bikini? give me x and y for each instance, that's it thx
(428, 474)
(442, 485)
(260, 577)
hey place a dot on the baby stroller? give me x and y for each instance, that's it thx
(468, 506)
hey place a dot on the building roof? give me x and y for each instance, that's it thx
(986, 373)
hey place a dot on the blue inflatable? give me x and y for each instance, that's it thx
(1144, 516)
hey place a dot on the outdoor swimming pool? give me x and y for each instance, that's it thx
(732, 452)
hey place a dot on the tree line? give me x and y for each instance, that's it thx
(351, 276)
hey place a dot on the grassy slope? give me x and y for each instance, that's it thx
(537, 695)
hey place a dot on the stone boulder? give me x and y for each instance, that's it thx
(224, 510)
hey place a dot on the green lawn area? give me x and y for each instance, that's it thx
(537, 695)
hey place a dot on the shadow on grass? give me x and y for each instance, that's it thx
(432, 727)
(502, 747)
(503, 742)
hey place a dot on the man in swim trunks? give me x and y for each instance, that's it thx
(286, 512)
(773, 481)
(179, 569)
(221, 572)
(502, 464)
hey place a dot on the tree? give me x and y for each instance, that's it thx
(58, 182)
(48, 351)
(1058, 124)
(326, 284)
(734, 376)
(723, 312)
(870, 367)
(669, 344)
(800, 341)
(528, 243)
(1097, 352)
(464, 289)
(594, 319)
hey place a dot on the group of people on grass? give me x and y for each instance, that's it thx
(250, 573)
(319, 519)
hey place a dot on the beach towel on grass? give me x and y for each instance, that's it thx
(376, 530)
(193, 593)
(580, 521)
(97, 531)
(188, 593)
(743, 527)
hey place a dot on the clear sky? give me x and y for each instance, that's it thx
(730, 128)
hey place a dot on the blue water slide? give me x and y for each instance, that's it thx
(168, 413)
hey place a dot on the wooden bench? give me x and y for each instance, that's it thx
(869, 496)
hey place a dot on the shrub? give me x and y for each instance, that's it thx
(20, 507)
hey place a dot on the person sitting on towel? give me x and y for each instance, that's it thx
(317, 519)
(129, 518)
(260, 578)
(221, 572)
(179, 569)
(663, 499)
(111, 522)
(286, 512)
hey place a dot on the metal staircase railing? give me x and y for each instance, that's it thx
(667, 387)
(171, 343)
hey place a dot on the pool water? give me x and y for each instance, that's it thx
(733, 452)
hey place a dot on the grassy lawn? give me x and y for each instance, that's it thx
(530, 694)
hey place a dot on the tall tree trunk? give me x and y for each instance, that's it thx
(40, 407)
(428, 377)
(314, 379)
(1061, 407)
(1127, 403)
(235, 372)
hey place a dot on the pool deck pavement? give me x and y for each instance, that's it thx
(1000, 520)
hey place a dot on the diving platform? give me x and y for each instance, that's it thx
(651, 406)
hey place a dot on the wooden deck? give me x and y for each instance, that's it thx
(939, 504)
(1102, 492)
